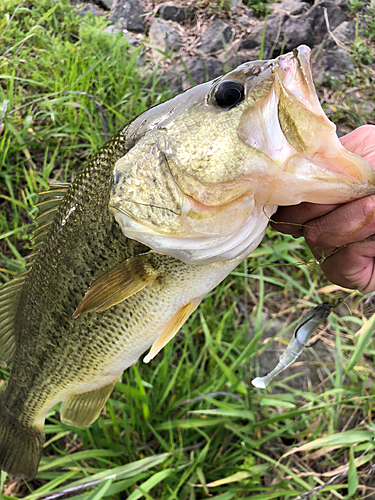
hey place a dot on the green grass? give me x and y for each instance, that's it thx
(65, 88)
(189, 425)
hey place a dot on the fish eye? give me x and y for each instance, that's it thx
(229, 93)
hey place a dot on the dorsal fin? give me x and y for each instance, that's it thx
(52, 197)
(49, 202)
(9, 296)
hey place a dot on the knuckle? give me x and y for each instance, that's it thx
(367, 207)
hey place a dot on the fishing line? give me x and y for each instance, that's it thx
(284, 222)
(291, 223)
(323, 257)
(282, 264)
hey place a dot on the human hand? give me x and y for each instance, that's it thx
(340, 236)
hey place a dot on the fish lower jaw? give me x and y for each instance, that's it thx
(319, 179)
(204, 249)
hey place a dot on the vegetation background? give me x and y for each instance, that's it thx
(189, 425)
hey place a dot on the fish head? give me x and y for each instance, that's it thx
(209, 167)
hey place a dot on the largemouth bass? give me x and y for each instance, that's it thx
(163, 213)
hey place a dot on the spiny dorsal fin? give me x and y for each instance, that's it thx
(116, 285)
(49, 202)
(52, 197)
(9, 296)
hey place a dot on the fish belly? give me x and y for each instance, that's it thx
(109, 342)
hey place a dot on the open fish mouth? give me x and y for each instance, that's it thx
(210, 166)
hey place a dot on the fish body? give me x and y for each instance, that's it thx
(58, 357)
(162, 214)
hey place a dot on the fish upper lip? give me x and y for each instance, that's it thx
(293, 69)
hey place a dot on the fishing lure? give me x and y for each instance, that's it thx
(309, 323)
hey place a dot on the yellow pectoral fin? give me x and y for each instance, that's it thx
(116, 285)
(171, 328)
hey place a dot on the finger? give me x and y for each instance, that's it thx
(349, 223)
(361, 142)
(352, 267)
(322, 253)
(291, 220)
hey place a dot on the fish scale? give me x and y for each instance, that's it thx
(61, 253)
(66, 356)
(161, 215)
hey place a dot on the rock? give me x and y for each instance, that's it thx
(133, 41)
(291, 7)
(344, 33)
(315, 16)
(230, 59)
(213, 37)
(176, 13)
(296, 31)
(339, 131)
(285, 32)
(342, 3)
(200, 70)
(85, 9)
(244, 20)
(108, 3)
(111, 30)
(249, 43)
(331, 63)
(363, 107)
(163, 37)
(128, 14)
(274, 26)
